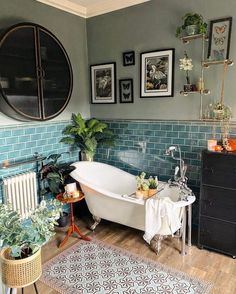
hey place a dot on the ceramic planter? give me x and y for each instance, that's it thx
(191, 30)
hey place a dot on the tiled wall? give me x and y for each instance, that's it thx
(141, 146)
(22, 141)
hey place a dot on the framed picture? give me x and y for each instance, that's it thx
(128, 58)
(126, 91)
(157, 73)
(103, 83)
(219, 39)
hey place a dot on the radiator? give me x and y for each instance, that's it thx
(21, 192)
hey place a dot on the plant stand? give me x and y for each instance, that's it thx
(22, 290)
(73, 228)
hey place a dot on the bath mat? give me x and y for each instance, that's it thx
(98, 268)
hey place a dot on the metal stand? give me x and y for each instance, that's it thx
(22, 290)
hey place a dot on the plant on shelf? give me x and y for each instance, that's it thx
(186, 65)
(87, 135)
(26, 236)
(146, 187)
(193, 23)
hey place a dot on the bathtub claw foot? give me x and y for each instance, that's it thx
(96, 222)
(155, 243)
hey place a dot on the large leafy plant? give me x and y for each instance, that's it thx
(192, 19)
(87, 134)
(25, 236)
(54, 175)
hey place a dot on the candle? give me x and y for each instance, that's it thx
(211, 143)
(218, 148)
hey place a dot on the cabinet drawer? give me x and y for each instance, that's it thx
(219, 169)
(218, 235)
(218, 202)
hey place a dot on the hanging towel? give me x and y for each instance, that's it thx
(156, 210)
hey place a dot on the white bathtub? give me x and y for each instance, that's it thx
(104, 187)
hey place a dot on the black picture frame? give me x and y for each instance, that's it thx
(103, 83)
(219, 39)
(157, 73)
(126, 91)
(128, 58)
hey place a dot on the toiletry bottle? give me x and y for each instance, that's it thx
(200, 85)
(156, 180)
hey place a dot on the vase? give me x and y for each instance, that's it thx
(142, 194)
(188, 88)
(152, 192)
(19, 273)
(191, 30)
(85, 156)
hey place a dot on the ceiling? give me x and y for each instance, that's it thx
(89, 8)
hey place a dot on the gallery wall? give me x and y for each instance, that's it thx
(71, 31)
(152, 26)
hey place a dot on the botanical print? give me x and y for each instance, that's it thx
(103, 84)
(157, 73)
(219, 39)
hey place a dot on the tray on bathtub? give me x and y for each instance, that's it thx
(134, 198)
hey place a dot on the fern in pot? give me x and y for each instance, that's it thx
(87, 135)
(21, 241)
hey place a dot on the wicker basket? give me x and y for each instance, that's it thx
(21, 272)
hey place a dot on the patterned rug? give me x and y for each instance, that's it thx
(95, 267)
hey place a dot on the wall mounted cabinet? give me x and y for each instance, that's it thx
(35, 73)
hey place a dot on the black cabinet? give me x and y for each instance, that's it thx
(35, 73)
(217, 213)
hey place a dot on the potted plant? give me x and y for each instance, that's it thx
(186, 65)
(87, 135)
(54, 177)
(153, 183)
(21, 241)
(142, 186)
(193, 23)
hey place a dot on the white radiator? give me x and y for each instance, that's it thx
(21, 192)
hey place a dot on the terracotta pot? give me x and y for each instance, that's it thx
(142, 194)
(152, 192)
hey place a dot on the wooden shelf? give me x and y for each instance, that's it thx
(205, 92)
(207, 63)
(187, 39)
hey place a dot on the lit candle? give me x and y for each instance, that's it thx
(211, 143)
(218, 148)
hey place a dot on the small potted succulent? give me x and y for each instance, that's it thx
(146, 187)
(153, 183)
(193, 24)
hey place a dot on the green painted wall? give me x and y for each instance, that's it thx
(151, 26)
(70, 30)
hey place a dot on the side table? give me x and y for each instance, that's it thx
(73, 228)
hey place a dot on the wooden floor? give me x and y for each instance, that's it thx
(219, 269)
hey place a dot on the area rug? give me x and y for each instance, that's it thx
(95, 267)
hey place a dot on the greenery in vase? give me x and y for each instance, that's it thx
(153, 183)
(192, 19)
(87, 134)
(25, 236)
(142, 183)
(186, 65)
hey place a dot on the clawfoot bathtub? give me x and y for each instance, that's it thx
(107, 191)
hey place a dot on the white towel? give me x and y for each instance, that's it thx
(156, 210)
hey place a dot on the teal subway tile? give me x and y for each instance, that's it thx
(155, 139)
(191, 142)
(177, 141)
(5, 134)
(123, 125)
(52, 141)
(24, 139)
(184, 135)
(172, 134)
(36, 137)
(143, 126)
(155, 127)
(160, 133)
(13, 154)
(19, 146)
(128, 132)
(190, 155)
(50, 129)
(166, 140)
(38, 149)
(194, 129)
(202, 143)
(41, 142)
(166, 127)
(133, 126)
(30, 131)
(18, 132)
(6, 148)
(148, 133)
(48, 148)
(179, 128)
(205, 129)
(40, 130)
(25, 152)
(198, 136)
(2, 141)
(12, 140)
(31, 144)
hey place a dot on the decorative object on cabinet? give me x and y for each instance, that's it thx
(36, 74)
(103, 83)
(217, 218)
(193, 24)
(219, 39)
(128, 58)
(126, 91)
(186, 65)
(157, 73)
(87, 135)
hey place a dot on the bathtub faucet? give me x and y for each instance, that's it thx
(180, 179)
